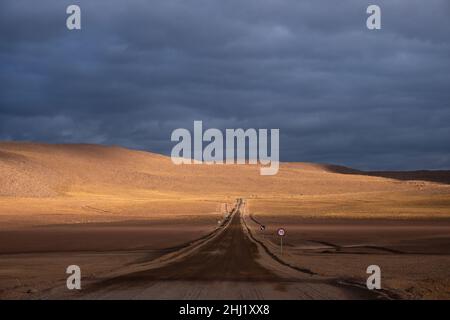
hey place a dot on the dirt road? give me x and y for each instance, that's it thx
(228, 264)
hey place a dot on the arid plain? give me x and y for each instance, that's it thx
(142, 228)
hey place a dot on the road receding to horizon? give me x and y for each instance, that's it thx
(227, 264)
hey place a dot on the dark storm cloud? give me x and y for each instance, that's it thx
(139, 69)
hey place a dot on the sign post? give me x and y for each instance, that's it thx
(281, 232)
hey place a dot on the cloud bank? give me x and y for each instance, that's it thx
(338, 92)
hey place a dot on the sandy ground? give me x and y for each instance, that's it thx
(414, 255)
(115, 212)
(226, 264)
(322, 259)
(33, 259)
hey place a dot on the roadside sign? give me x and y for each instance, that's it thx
(281, 232)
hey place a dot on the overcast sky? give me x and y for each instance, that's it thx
(139, 69)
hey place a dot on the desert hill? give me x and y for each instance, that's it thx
(50, 170)
(65, 179)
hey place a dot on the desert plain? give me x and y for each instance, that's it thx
(141, 227)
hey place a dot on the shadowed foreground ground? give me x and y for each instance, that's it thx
(228, 264)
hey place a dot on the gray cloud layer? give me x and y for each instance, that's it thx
(139, 69)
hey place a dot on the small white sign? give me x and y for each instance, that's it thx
(281, 232)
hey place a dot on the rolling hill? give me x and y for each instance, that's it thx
(63, 179)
